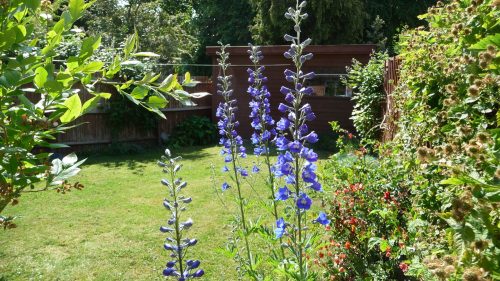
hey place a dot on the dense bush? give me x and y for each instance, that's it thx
(367, 82)
(195, 130)
(448, 101)
(367, 202)
(441, 172)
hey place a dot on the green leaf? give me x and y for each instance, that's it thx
(139, 92)
(157, 102)
(32, 4)
(90, 104)
(130, 44)
(74, 105)
(489, 40)
(76, 8)
(40, 77)
(92, 67)
(89, 45)
(384, 245)
(452, 181)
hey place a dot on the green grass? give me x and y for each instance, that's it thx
(109, 230)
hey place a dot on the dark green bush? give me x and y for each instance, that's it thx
(195, 130)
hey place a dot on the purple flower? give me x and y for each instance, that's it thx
(225, 169)
(304, 202)
(281, 143)
(285, 90)
(225, 186)
(283, 193)
(316, 186)
(283, 124)
(199, 273)
(322, 219)
(295, 146)
(243, 173)
(168, 271)
(255, 169)
(312, 137)
(309, 155)
(283, 108)
(279, 231)
(289, 98)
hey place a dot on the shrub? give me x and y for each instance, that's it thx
(195, 130)
(367, 82)
(367, 202)
(448, 100)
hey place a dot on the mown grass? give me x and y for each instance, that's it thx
(109, 230)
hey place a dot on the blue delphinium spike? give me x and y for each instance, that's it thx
(174, 244)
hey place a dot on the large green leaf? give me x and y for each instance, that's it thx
(139, 92)
(157, 102)
(40, 77)
(74, 106)
(488, 40)
(76, 8)
(89, 45)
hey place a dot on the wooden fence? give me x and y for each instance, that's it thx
(95, 134)
(390, 114)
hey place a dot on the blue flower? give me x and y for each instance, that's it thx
(309, 154)
(225, 186)
(304, 202)
(316, 186)
(281, 143)
(322, 219)
(295, 146)
(255, 169)
(283, 124)
(312, 137)
(168, 271)
(283, 108)
(243, 173)
(225, 169)
(308, 174)
(279, 231)
(283, 193)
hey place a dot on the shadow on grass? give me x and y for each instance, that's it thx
(137, 161)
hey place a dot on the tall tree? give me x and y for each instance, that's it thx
(227, 21)
(396, 14)
(164, 27)
(330, 21)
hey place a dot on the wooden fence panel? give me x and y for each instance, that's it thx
(93, 133)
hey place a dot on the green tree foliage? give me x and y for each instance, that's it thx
(336, 21)
(396, 14)
(164, 26)
(329, 21)
(227, 21)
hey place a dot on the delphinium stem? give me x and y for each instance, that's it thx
(233, 144)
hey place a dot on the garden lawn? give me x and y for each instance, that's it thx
(110, 229)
